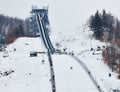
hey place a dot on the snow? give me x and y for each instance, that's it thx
(80, 41)
(76, 39)
(70, 76)
(29, 74)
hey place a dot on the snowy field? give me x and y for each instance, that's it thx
(80, 42)
(30, 74)
(70, 76)
(21, 73)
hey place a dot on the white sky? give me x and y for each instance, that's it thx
(63, 14)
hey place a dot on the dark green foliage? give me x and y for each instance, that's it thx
(101, 23)
(108, 20)
(95, 24)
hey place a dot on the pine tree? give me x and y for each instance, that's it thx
(108, 20)
(95, 23)
(102, 24)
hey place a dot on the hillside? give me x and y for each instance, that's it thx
(20, 72)
(80, 42)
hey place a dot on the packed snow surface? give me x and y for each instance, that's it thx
(70, 76)
(21, 73)
(30, 74)
(79, 41)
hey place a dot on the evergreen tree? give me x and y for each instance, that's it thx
(108, 21)
(95, 23)
(102, 24)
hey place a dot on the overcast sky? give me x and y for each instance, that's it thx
(62, 13)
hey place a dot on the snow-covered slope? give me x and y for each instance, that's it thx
(80, 42)
(70, 76)
(29, 74)
(77, 39)
(21, 73)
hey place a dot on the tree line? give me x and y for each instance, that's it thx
(13, 28)
(104, 25)
(106, 28)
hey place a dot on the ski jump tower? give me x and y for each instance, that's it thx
(44, 14)
(41, 28)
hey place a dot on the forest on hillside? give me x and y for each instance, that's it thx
(13, 28)
(106, 27)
